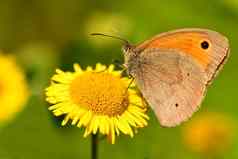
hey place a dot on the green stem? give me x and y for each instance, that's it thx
(94, 144)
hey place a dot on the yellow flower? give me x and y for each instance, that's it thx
(209, 134)
(13, 88)
(98, 99)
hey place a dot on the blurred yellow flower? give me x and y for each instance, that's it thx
(13, 88)
(98, 99)
(209, 134)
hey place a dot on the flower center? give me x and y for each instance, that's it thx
(101, 93)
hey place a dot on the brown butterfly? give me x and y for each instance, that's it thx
(174, 69)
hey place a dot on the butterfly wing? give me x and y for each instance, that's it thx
(189, 41)
(172, 83)
(175, 70)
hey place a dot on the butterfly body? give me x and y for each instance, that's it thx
(173, 70)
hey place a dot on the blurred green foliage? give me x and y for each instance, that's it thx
(47, 34)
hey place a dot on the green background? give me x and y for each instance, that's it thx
(48, 34)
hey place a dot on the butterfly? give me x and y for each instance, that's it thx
(174, 69)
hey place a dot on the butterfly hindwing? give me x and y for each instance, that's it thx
(172, 83)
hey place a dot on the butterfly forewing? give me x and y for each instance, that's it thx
(190, 41)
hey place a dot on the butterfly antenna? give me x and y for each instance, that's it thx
(111, 36)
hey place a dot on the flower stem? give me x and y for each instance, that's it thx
(94, 144)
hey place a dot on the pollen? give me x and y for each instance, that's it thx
(101, 93)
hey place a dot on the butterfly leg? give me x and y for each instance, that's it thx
(118, 64)
(132, 80)
(122, 66)
(129, 85)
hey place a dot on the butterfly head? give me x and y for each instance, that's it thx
(127, 49)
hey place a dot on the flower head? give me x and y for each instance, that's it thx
(98, 99)
(209, 134)
(13, 88)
